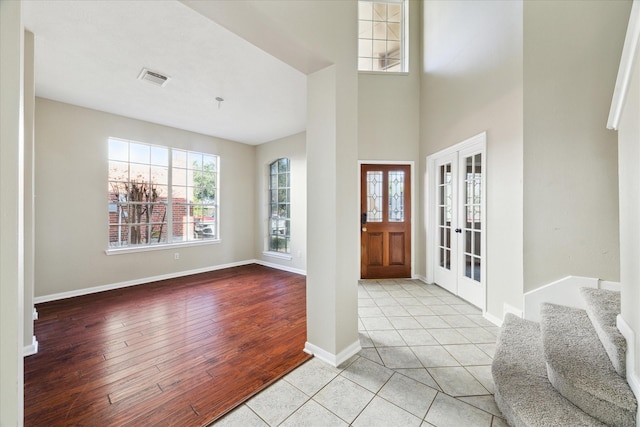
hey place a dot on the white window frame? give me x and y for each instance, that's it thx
(404, 43)
(268, 250)
(170, 243)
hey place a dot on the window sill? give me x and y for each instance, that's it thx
(278, 255)
(385, 73)
(127, 250)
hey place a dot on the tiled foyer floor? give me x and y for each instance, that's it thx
(425, 362)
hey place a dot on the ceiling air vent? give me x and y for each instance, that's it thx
(153, 77)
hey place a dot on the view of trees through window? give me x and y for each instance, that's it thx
(160, 195)
(280, 206)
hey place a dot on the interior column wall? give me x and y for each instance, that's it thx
(11, 214)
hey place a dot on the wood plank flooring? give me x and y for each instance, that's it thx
(175, 352)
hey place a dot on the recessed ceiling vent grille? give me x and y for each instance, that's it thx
(153, 77)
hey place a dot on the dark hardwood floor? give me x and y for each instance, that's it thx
(175, 352)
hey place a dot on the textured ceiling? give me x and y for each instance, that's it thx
(89, 53)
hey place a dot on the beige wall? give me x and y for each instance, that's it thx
(472, 82)
(11, 214)
(389, 105)
(293, 148)
(571, 55)
(71, 201)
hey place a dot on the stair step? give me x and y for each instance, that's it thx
(579, 367)
(522, 391)
(603, 306)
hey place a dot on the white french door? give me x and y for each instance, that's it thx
(457, 196)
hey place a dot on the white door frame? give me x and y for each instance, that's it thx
(411, 164)
(431, 208)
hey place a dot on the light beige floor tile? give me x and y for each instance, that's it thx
(449, 412)
(312, 376)
(241, 416)
(380, 413)
(344, 398)
(312, 414)
(390, 338)
(277, 402)
(421, 375)
(486, 403)
(368, 374)
(468, 354)
(443, 309)
(432, 322)
(448, 336)
(399, 357)
(467, 309)
(376, 323)
(408, 394)
(489, 349)
(433, 356)
(406, 322)
(394, 310)
(499, 422)
(370, 312)
(420, 310)
(477, 335)
(371, 354)
(417, 337)
(458, 320)
(365, 339)
(457, 381)
(409, 301)
(483, 374)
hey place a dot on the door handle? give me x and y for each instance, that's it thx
(458, 230)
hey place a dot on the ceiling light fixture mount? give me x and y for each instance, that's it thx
(219, 99)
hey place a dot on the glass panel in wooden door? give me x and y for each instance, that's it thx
(470, 281)
(445, 216)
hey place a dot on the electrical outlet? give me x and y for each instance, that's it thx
(176, 255)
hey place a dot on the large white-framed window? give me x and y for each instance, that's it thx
(383, 36)
(279, 239)
(160, 195)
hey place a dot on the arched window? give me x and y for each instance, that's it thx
(279, 206)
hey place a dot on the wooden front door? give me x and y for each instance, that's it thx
(385, 207)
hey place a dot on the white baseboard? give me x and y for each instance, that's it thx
(30, 349)
(334, 360)
(93, 290)
(493, 319)
(423, 279)
(632, 375)
(565, 291)
(280, 267)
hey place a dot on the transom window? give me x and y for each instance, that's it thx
(160, 195)
(280, 206)
(382, 29)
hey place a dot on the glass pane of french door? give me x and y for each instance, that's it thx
(445, 213)
(472, 223)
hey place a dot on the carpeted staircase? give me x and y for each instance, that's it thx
(568, 370)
